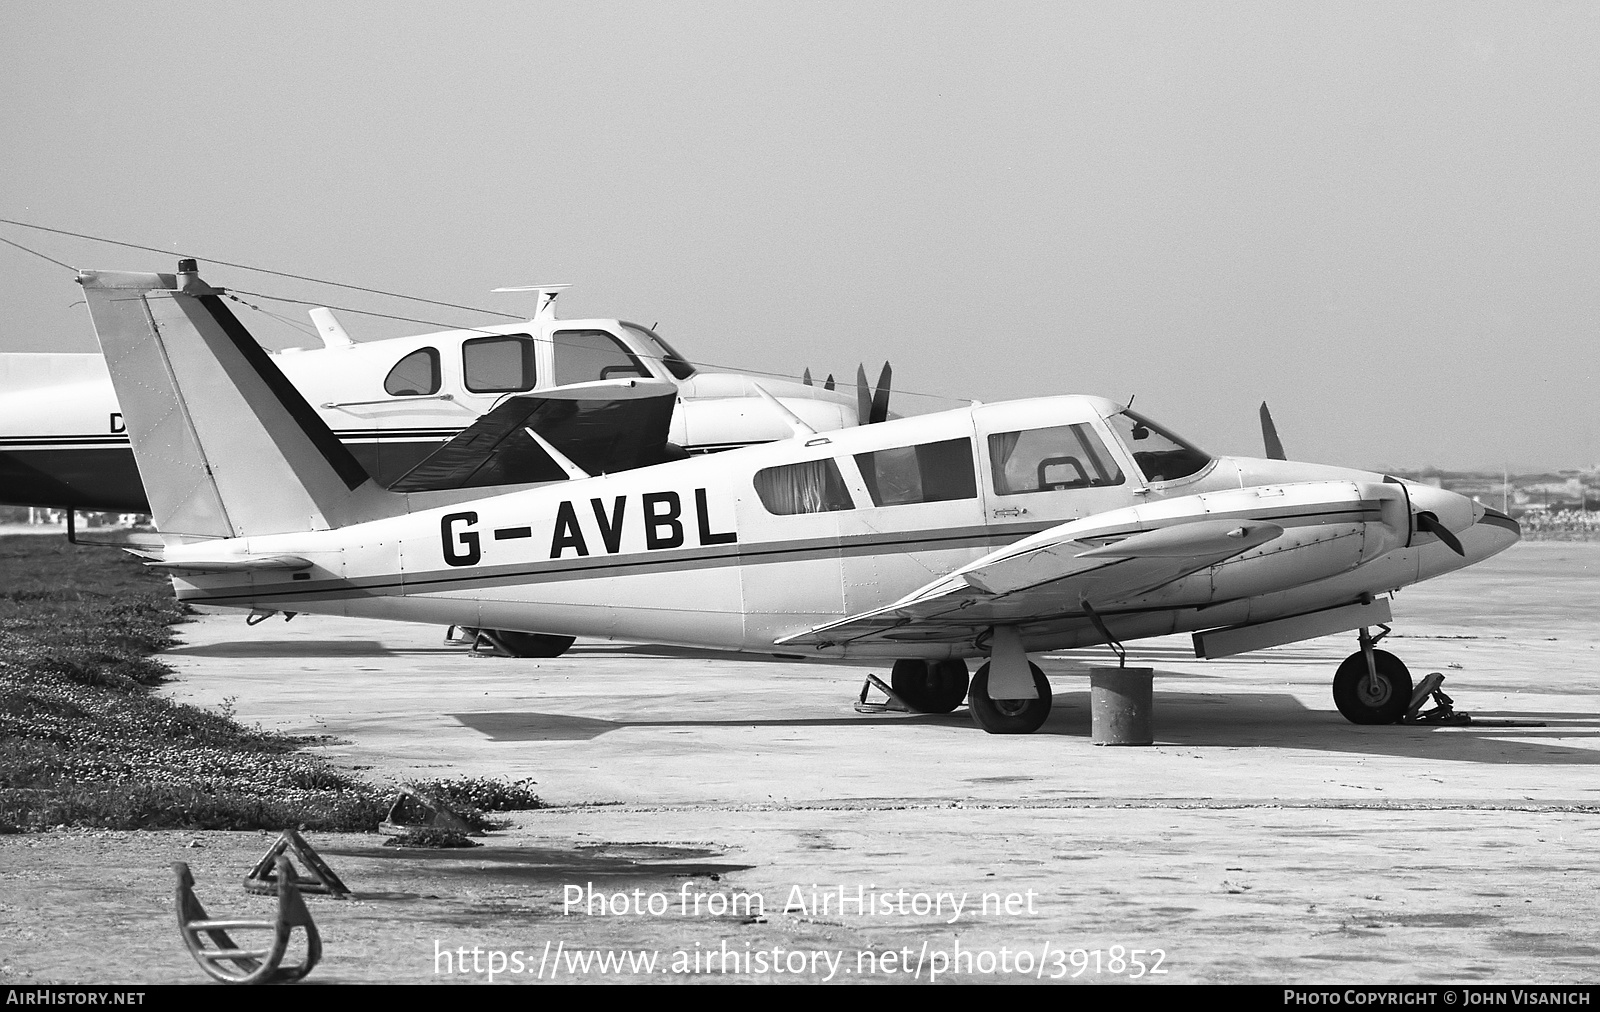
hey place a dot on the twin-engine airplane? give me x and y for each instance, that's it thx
(985, 532)
(64, 443)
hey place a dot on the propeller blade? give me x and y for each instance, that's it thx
(880, 398)
(806, 377)
(827, 384)
(863, 397)
(1269, 435)
(1430, 524)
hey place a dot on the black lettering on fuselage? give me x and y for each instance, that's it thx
(118, 425)
(655, 520)
(703, 514)
(568, 533)
(610, 531)
(460, 548)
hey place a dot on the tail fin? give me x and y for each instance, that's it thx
(226, 446)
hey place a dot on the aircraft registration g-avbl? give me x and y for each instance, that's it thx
(985, 532)
(64, 444)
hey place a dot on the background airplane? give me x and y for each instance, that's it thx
(64, 444)
(989, 531)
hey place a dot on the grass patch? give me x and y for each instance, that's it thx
(84, 742)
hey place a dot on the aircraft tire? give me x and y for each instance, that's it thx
(930, 686)
(521, 644)
(1008, 716)
(1392, 699)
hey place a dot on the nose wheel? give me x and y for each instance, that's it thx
(1372, 686)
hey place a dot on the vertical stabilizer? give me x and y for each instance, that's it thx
(226, 446)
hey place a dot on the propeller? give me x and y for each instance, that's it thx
(1269, 435)
(872, 405)
(1428, 523)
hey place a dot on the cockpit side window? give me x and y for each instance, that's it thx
(1044, 460)
(1161, 455)
(416, 375)
(931, 472)
(812, 486)
(497, 365)
(676, 364)
(583, 356)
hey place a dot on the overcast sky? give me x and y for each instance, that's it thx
(1382, 218)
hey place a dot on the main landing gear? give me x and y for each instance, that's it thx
(930, 686)
(1009, 716)
(1372, 686)
(940, 686)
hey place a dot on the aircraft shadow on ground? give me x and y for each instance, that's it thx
(288, 648)
(1196, 720)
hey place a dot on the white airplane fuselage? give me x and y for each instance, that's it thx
(64, 442)
(744, 549)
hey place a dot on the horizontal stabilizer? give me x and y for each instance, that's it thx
(236, 564)
(601, 428)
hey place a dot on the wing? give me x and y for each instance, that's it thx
(601, 427)
(1121, 555)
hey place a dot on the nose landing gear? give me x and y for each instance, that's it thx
(1372, 686)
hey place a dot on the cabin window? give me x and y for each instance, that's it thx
(814, 486)
(583, 356)
(932, 472)
(415, 375)
(1044, 460)
(1161, 455)
(496, 365)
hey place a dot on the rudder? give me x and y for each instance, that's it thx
(226, 446)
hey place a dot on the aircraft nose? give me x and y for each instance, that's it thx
(1495, 532)
(1481, 531)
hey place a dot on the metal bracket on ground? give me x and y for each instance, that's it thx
(320, 878)
(1443, 712)
(224, 959)
(893, 703)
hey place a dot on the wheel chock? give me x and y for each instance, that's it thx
(225, 960)
(893, 703)
(320, 878)
(1444, 711)
(412, 811)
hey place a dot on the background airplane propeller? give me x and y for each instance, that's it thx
(873, 405)
(1269, 435)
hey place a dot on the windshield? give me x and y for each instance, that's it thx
(658, 349)
(1161, 456)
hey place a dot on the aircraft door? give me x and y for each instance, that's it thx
(1041, 472)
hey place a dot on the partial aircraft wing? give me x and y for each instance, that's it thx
(1122, 555)
(601, 427)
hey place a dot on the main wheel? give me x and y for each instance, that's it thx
(521, 644)
(930, 686)
(1359, 702)
(1008, 716)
